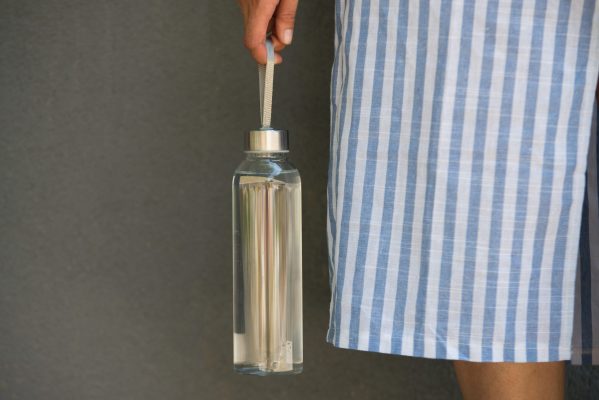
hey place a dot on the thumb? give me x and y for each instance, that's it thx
(284, 20)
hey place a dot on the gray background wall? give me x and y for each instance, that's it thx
(120, 126)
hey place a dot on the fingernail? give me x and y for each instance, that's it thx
(287, 36)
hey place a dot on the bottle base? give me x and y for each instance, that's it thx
(253, 369)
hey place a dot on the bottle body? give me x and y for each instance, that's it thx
(267, 266)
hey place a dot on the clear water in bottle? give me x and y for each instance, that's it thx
(267, 266)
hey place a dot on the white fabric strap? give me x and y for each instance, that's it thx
(266, 75)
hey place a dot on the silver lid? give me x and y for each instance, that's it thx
(267, 140)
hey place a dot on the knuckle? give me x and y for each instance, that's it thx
(287, 16)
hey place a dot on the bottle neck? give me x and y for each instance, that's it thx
(263, 155)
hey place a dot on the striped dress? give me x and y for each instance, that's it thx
(459, 138)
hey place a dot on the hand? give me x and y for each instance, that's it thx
(259, 16)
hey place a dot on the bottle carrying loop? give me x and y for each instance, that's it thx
(266, 77)
(267, 139)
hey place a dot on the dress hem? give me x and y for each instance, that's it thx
(563, 354)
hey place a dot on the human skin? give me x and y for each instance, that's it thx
(511, 381)
(262, 16)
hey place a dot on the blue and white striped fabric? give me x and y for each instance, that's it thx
(459, 134)
(585, 340)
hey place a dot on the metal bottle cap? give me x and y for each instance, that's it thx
(267, 140)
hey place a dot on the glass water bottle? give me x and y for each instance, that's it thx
(267, 258)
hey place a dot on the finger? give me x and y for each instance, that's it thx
(285, 20)
(277, 44)
(259, 54)
(255, 29)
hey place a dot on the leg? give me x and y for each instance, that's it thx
(511, 381)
